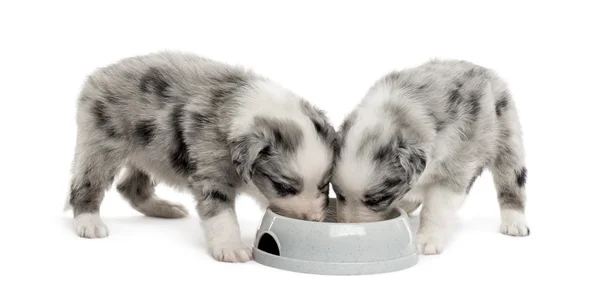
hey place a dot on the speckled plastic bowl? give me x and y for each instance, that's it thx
(331, 248)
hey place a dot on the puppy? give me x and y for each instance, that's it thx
(203, 126)
(423, 136)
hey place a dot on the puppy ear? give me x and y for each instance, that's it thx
(337, 145)
(245, 152)
(321, 124)
(412, 160)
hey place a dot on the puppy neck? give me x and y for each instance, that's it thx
(390, 112)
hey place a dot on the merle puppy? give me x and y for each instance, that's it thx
(203, 126)
(423, 136)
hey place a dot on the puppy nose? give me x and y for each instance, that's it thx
(311, 217)
(342, 219)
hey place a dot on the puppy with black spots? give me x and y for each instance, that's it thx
(422, 136)
(199, 125)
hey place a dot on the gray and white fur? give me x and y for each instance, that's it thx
(199, 125)
(422, 136)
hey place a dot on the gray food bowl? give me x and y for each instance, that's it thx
(331, 248)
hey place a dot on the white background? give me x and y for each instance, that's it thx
(329, 53)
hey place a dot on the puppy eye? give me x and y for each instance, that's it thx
(281, 188)
(324, 189)
(284, 189)
(340, 198)
(372, 203)
(378, 201)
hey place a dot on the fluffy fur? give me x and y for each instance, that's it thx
(203, 126)
(422, 136)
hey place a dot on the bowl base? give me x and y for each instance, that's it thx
(329, 268)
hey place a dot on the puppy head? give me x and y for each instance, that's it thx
(290, 161)
(373, 172)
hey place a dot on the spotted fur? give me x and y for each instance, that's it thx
(214, 129)
(422, 136)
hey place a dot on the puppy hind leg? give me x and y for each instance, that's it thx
(94, 171)
(138, 189)
(510, 177)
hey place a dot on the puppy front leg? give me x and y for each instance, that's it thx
(412, 200)
(437, 217)
(216, 208)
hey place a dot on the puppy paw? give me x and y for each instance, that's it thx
(430, 244)
(514, 229)
(514, 223)
(232, 252)
(162, 208)
(89, 225)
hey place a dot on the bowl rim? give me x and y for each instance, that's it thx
(402, 214)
